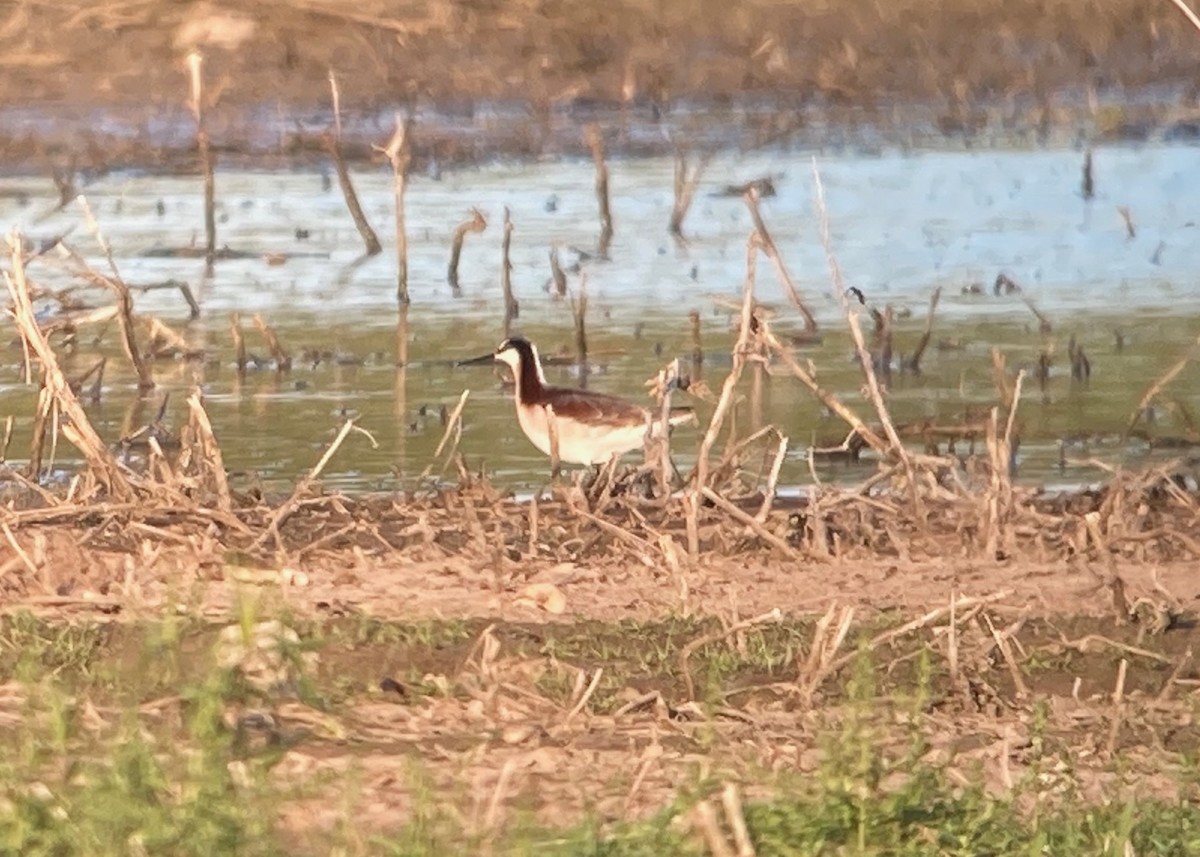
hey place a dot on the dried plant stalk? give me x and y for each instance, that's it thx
(595, 142)
(772, 251)
(333, 143)
(399, 154)
(1157, 387)
(77, 428)
(686, 181)
(207, 160)
(511, 308)
(283, 360)
(476, 223)
(211, 450)
(700, 473)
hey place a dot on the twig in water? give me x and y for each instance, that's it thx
(453, 429)
(557, 275)
(285, 511)
(477, 223)
(1157, 387)
(211, 450)
(207, 160)
(77, 428)
(914, 362)
(1089, 183)
(239, 344)
(399, 154)
(699, 476)
(686, 180)
(511, 308)
(579, 312)
(333, 143)
(896, 446)
(283, 360)
(595, 141)
(772, 251)
(1127, 217)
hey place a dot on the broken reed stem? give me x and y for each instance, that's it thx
(283, 360)
(700, 473)
(453, 429)
(128, 337)
(211, 450)
(772, 616)
(579, 311)
(1191, 16)
(557, 274)
(1157, 387)
(914, 362)
(477, 223)
(686, 180)
(285, 511)
(772, 480)
(595, 141)
(207, 160)
(749, 520)
(76, 428)
(511, 308)
(827, 398)
(399, 155)
(772, 251)
(333, 144)
(864, 356)
(40, 422)
(239, 344)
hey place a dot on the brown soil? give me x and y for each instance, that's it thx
(94, 68)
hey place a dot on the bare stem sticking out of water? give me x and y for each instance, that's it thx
(399, 154)
(772, 251)
(896, 446)
(1157, 387)
(283, 360)
(453, 431)
(697, 347)
(557, 274)
(239, 344)
(686, 180)
(476, 223)
(1127, 218)
(333, 143)
(579, 311)
(914, 362)
(210, 450)
(595, 141)
(207, 160)
(76, 428)
(1089, 182)
(511, 308)
(740, 349)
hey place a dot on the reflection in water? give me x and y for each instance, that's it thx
(903, 224)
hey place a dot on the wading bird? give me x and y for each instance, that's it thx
(591, 427)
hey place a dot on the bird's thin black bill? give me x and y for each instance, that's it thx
(475, 361)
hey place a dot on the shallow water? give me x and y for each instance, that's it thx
(901, 225)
